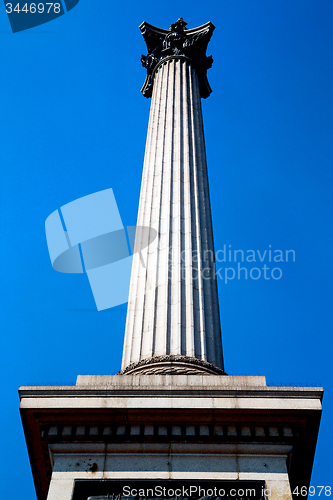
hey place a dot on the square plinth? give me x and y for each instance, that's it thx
(169, 428)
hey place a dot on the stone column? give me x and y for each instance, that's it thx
(173, 323)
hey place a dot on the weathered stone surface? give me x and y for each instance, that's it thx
(169, 382)
(170, 427)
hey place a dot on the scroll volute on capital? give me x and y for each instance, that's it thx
(180, 43)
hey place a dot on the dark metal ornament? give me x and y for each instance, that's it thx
(177, 42)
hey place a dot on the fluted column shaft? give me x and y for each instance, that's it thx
(173, 304)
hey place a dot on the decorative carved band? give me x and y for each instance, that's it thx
(172, 365)
(177, 41)
(176, 431)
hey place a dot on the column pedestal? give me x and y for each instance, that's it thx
(181, 429)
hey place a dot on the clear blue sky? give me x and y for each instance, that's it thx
(73, 122)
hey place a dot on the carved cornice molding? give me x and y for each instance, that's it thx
(180, 42)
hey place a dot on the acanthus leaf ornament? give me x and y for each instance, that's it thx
(177, 42)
